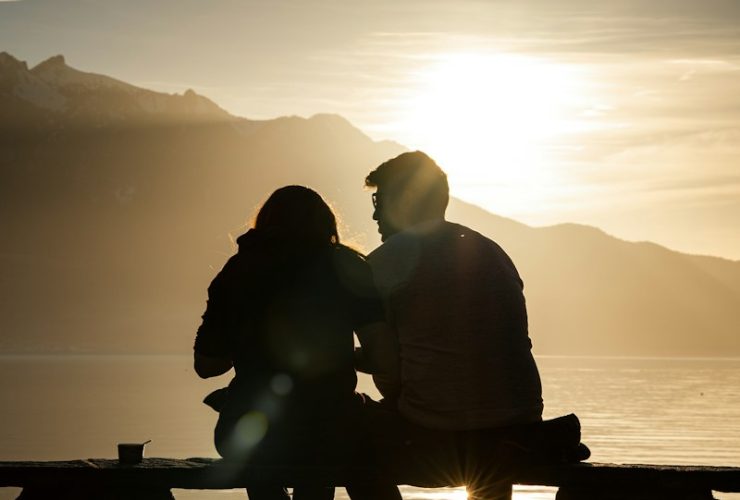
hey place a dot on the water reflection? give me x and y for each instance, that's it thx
(666, 411)
(520, 493)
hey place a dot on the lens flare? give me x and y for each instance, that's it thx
(281, 384)
(250, 429)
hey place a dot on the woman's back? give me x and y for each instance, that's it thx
(285, 314)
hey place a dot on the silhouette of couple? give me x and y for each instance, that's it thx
(441, 319)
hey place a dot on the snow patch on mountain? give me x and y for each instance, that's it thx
(39, 93)
(17, 81)
(55, 72)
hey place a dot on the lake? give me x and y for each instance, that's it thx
(633, 410)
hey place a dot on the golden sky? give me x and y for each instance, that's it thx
(623, 115)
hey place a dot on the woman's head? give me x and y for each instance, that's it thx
(300, 213)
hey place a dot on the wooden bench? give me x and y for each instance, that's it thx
(155, 477)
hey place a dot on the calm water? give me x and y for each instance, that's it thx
(669, 411)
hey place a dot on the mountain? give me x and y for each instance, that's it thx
(52, 90)
(115, 218)
(119, 204)
(590, 293)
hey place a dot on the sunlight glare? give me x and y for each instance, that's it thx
(439, 494)
(488, 118)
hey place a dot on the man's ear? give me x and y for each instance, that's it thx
(407, 207)
(393, 211)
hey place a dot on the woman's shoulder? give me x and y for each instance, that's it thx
(353, 270)
(348, 259)
(344, 251)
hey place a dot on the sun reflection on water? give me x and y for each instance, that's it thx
(434, 494)
(520, 493)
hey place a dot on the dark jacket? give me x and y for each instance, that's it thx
(285, 314)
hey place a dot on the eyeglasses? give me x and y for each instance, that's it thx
(376, 200)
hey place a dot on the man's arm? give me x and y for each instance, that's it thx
(207, 366)
(380, 357)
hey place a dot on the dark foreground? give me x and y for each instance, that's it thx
(154, 477)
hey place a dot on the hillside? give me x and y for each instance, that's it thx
(117, 205)
(590, 293)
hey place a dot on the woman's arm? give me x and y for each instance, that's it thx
(212, 356)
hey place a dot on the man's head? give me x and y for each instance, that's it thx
(410, 189)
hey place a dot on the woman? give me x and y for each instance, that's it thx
(282, 312)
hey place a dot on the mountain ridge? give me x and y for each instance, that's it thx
(55, 89)
(114, 227)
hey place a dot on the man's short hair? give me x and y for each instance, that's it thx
(416, 176)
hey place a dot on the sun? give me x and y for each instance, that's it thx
(490, 119)
(444, 494)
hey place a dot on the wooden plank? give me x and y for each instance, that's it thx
(725, 479)
(25, 473)
(173, 473)
(625, 492)
(94, 492)
(208, 473)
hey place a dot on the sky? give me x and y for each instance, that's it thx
(624, 115)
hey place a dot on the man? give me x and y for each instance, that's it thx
(468, 380)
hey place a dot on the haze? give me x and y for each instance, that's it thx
(623, 115)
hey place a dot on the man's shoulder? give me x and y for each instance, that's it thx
(406, 247)
(396, 247)
(463, 244)
(394, 261)
(461, 231)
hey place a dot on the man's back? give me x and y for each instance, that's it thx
(455, 300)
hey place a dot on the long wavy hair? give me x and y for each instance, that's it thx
(301, 214)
